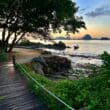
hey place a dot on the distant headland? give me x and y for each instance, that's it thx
(85, 37)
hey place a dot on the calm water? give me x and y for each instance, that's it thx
(86, 48)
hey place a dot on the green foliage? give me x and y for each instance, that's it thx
(89, 93)
(37, 16)
(3, 56)
(106, 60)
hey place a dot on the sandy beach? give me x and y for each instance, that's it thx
(24, 55)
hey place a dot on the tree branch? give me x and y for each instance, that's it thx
(20, 37)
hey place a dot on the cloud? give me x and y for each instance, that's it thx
(102, 10)
(81, 11)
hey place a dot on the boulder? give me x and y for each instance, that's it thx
(51, 64)
(60, 45)
(39, 64)
(57, 63)
(38, 67)
(40, 60)
(46, 53)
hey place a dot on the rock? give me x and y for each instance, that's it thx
(40, 60)
(72, 77)
(60, 45)
(37, 67)
(57, 63)
(39, 64)
(46, 53)
(52, 64)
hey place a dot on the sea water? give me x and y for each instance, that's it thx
(88, 50)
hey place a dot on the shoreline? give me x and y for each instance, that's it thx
(84, 55)
(82, 58)
(75, 58)
(79, 70)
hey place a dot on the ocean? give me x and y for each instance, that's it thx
(86, 53)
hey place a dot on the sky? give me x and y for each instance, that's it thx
(96, 14)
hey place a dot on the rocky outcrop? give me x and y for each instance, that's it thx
(51, 64)
(57, 46)
(57, 63)
(87, 37)
(60, 45)
(39, 64)
(46, 53)
(37, 67)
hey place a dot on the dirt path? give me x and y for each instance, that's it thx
(24, 55)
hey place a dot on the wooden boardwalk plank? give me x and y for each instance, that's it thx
(17, 95)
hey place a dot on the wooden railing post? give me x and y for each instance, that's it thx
(14, 60)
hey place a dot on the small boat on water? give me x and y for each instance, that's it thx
(76, 47)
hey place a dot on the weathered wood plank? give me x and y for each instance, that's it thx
(14, 89)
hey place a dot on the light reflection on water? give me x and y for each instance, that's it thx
(89, 47)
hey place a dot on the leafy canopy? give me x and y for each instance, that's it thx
(40, 16)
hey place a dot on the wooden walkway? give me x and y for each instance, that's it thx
(16, 95)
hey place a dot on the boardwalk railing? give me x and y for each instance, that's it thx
(30, 77)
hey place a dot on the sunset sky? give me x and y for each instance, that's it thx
(96, 14)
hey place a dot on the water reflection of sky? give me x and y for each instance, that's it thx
(86, 48)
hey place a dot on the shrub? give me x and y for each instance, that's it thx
(106, 60)
(3, 56)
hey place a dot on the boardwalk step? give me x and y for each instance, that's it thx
(9, 90)
(20, 100)
(32, 107)
(10, 85)
(24, 105)
(14, 95)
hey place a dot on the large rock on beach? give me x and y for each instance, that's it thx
(51, 64)
(37, 67)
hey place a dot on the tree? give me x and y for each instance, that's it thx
(18, 17)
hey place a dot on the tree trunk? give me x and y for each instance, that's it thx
(12, 44)
(10, 48)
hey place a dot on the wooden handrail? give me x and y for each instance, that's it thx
(29, 76)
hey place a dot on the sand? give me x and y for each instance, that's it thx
(24, 55)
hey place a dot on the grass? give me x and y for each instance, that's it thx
(89, 93)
